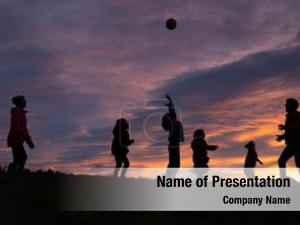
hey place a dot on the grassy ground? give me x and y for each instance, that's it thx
(27, 195)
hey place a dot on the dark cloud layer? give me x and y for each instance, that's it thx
(238, 78)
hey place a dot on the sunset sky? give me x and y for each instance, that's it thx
(229, 65)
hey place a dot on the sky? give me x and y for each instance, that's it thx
(229, 66)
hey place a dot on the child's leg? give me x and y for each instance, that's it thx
(285, 156)
(125, 165)
(13, 166)
(125, 161)
(23, 158)
(19, 156)
(297, 156)
(118, 165)
(118, 160)
(174, 156)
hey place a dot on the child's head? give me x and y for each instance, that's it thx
(122, 124)
(199, 134)
(250, 145)
(19, 101)
(291, 105)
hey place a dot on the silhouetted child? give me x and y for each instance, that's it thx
(174, 127)
(251, 158)
(291, 134)
(120, 145)
(18, 134)
(200, 148)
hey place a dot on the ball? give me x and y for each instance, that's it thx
(171, 23)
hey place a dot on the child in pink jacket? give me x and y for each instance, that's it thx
(18, 134)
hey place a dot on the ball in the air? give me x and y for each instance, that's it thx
(171, 24)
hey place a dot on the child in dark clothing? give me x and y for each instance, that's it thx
(200, 148)
(171, 124)
(291, 134)
(19, 134)
(120, 145)
(251, 157)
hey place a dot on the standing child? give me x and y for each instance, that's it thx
(120, 145)
(18, 134)
(291, 134)
(200, 148)
(171, 124)
(251, 157)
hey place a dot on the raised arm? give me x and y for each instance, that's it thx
(171, 107)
